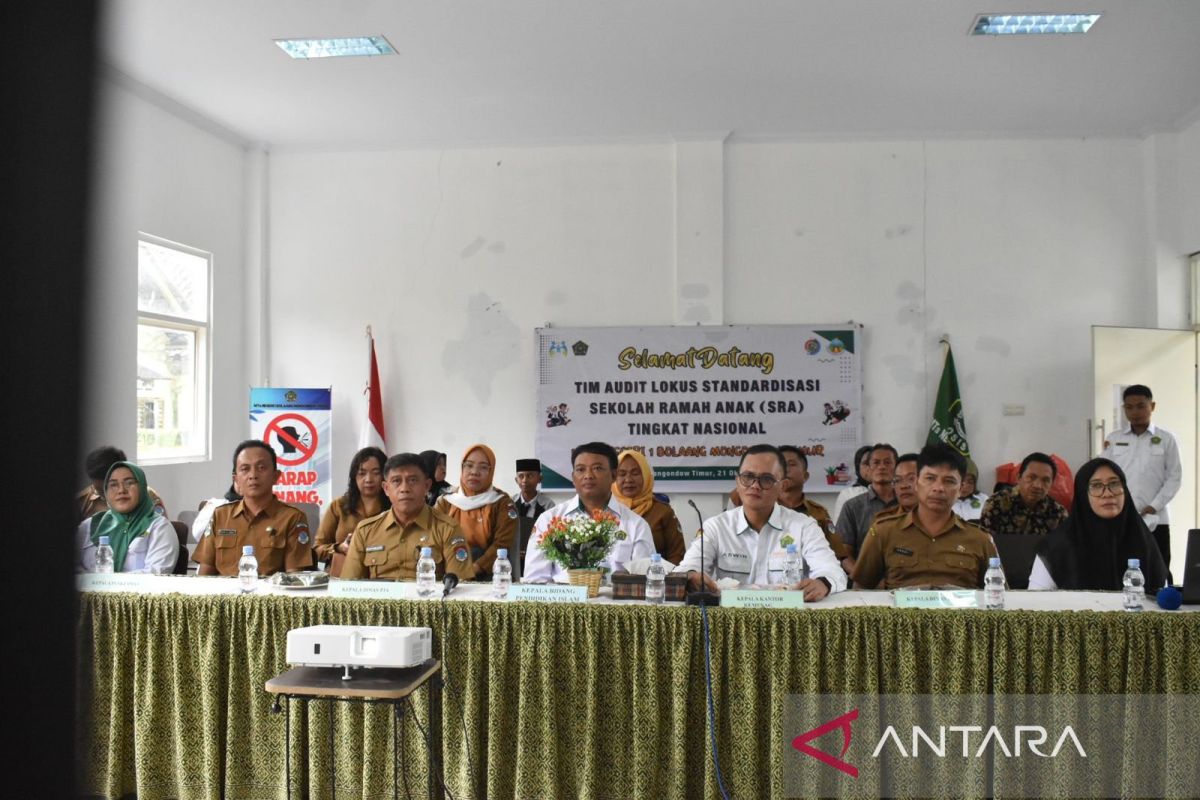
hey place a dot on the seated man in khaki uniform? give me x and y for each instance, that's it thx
(388, 545)
(928, 546)
(904, 482)
(278, 532)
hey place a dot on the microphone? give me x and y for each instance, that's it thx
(1169, 598)
(448, 583)
(702, 596)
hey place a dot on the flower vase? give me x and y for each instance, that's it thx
(589, 577)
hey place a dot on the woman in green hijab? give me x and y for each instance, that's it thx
(142, 540)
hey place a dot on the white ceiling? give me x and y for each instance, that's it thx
(539, 71)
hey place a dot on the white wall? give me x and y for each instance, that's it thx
(1015, 248)
(157, 173)
(1189, 187)
(454, 258)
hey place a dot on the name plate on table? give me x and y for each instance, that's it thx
(377, 590)
(762, 598)
(547, 593)
(118, 582)
(950, 598)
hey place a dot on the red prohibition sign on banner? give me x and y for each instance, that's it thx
(303, 451)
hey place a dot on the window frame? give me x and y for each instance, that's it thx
(201, 359)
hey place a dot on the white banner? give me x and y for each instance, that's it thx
(692, 399)
(298, 424)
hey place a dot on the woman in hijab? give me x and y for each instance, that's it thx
(486, 515)
(364, 498)
(142, 539)
(634, 488)
(969, 505)
(1089, 550)
(435, 467)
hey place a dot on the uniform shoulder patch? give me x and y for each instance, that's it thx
(460, 554)
(301, 529)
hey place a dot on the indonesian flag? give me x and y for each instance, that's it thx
(373, 433)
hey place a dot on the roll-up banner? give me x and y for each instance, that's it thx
(298, 424)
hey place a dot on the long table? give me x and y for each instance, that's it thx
(604, 699)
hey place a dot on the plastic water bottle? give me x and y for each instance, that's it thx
(656, 580)
(1135, 586)
(426, 575)
(104, 556)
(993, 585)
(501, 574)
(248, 569)
(793, 573)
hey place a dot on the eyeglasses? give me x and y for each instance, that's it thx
(1096, 488)
(748, 479)
(476, 466)
(904, 483)
(595, 469)
(127, 485)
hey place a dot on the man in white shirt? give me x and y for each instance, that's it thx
(1149, 457)
(748, 543)
(592, 468)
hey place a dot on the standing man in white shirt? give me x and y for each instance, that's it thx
(1149, 456)
(748, 543)
(592, 468)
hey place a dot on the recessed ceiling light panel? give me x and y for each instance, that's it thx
(1026, 24)
(337, 48)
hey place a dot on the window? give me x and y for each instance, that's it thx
(172, 354)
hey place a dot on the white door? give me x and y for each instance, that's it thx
(1166, 362)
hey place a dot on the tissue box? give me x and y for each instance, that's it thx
(633, 587)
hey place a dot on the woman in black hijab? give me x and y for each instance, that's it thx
(435, 467)
(1090, 550)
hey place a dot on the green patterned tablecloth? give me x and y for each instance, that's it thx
(604, 701)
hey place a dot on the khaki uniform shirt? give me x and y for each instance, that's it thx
(383, 548)
(899, 552)
(92, 502)
(486, 529)
(817, 511)
(336, 526)
(279, 534)
(665, 529)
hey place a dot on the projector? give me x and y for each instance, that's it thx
(358, 646)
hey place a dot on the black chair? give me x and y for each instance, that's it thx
(1017, 551)
(181, 563)
(516, 550)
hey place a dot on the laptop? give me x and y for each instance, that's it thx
(1191, 569)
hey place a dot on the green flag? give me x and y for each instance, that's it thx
(949, 425)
